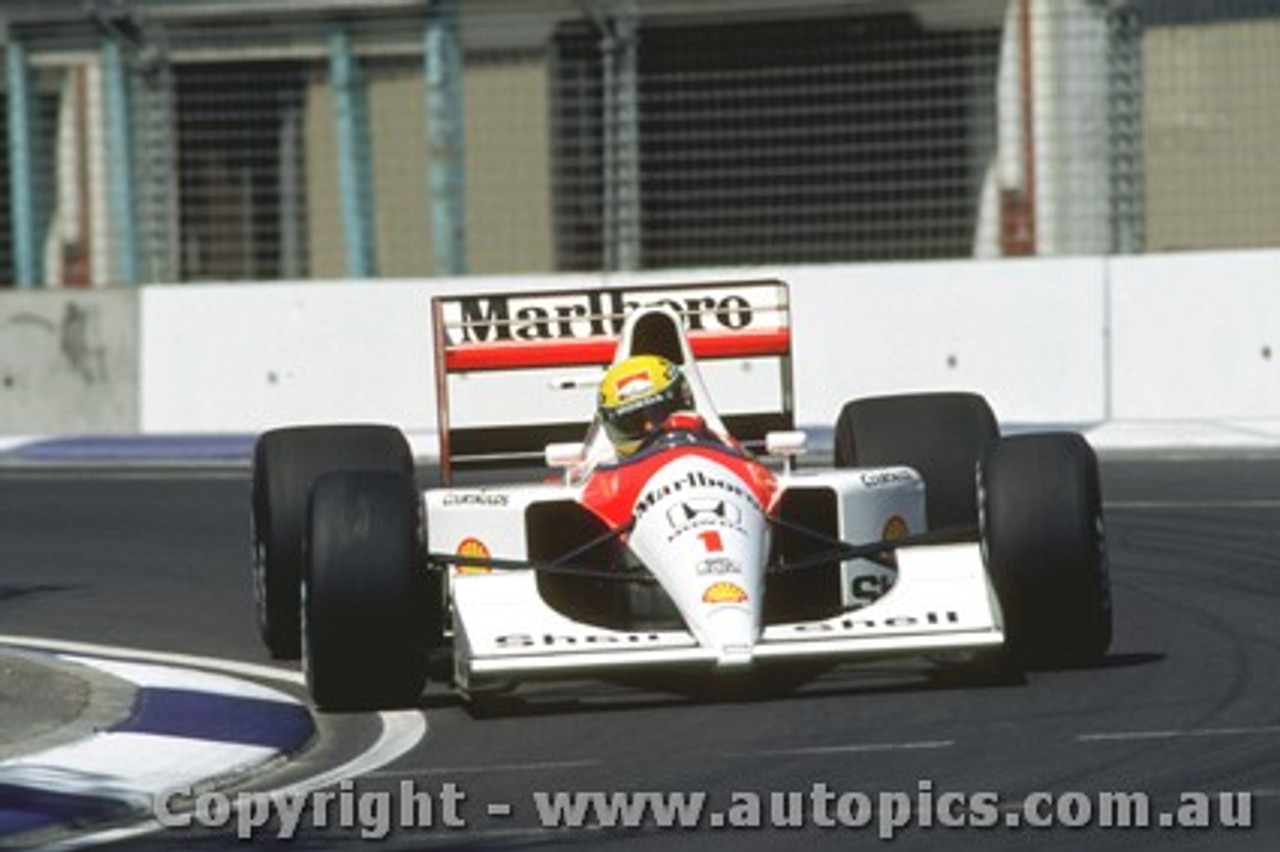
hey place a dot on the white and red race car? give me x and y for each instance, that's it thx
(711, 552)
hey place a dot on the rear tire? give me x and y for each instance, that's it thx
(367, 621)
(942, 436)
(286, 463)
(1045, 548)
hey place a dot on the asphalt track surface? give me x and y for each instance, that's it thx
(1188, 700)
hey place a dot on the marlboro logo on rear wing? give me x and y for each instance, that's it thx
(516, 371)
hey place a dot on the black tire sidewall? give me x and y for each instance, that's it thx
(287, 463)
(1044, 544)
(366, 622)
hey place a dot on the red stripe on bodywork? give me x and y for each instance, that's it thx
(600, 350)
(611, 493)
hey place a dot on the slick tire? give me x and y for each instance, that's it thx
(366, 620)
(1045, 548)
(286, 463)
(940, 435)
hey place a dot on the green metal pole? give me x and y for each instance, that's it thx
(442, 51)
(1124, 124)
(120, 171)
(622, 237)
(355, 185)
(22, 195)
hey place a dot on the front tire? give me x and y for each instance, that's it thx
(286, 463)
(1045, 548)
(366, 617)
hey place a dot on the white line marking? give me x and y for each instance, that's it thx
(114, 471)
(161, 657)
(1191, 504)
(402, 730)
(852, 748)
(1188, 733)
(492, 767)
(1265, 793)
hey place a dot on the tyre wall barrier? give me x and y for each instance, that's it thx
(1052, 341)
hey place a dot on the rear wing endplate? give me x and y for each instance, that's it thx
(516, 371)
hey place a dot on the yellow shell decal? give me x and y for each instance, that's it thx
(895, 528)
(724, 593)
(472, 546)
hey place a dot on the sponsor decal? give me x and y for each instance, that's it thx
(717, 565)
(596, 313)
(688, 511)
(883, 478)
(711, 540)
(691, 480)
(588, 640)
(869, 588)
(902, 623)
(895, 528)
(472, 546)
(724, 592)
(634, 385)
(485, 499)
(698, 513)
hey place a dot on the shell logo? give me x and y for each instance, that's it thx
(895, 528)
(724, 593)
(472, 546)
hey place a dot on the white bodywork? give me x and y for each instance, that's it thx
(938, 598)
(703, 533)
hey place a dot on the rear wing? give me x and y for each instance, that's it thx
(516, 371)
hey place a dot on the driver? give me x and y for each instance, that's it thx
(637, 396)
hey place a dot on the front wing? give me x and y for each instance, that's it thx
(942, 600)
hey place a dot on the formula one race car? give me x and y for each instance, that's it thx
(709, 551)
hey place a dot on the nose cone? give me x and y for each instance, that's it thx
(715, 576)
(702, 532)
(732, 631)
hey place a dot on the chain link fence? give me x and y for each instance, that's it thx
(169, 141)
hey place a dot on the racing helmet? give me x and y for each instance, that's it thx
(637, 395)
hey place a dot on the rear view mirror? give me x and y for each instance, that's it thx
(786, 444)
(566, 455)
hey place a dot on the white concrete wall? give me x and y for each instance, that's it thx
(246, 357)
(68, 361)
(1029, 334)
(1167, 337)
(1196, 336)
